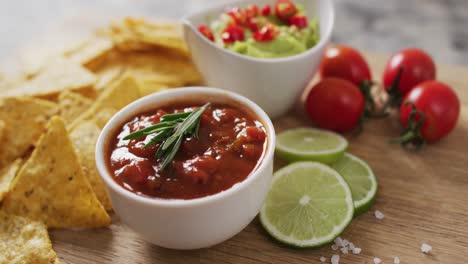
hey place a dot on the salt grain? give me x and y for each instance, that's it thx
(356, 250)
(345, 242)
(339, 241)
(344, 250)
(351, 246)
(335, 259)
(379, 215)
(334, 247)
(396, 260)
(377, 260)
(425, 248)
(323, 259)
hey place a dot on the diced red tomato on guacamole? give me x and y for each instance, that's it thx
(274, 31)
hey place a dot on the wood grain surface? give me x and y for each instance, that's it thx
(424, 196)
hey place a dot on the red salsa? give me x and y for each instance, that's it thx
(230, 145)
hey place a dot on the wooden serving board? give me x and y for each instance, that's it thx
(424, 196)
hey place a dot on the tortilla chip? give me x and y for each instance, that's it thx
(51, 186)
(92, 49)
(141, 34)
(102, 117)
(25, 119)
(154, 66)
(72, 105)
(62, 74)
(23, 241)
(115, 97)
(2, 130)
(84, 138)
(7, 175)
(108, 75)
(148, 86)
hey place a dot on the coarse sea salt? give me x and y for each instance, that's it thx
(356, 250)
(339, 241)
(344, 250)
(351, 246)
(396, 260)
(377, 260)
(379, 215)
(323, 259)
(335, 259)
(334, 247)
(425, 248)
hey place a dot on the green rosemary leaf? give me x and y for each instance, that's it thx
(170, 155)
(147, 130)
(160, 136)
(173, 117)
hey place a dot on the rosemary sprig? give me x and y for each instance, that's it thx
(171, 131)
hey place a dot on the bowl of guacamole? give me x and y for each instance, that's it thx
(271, 31)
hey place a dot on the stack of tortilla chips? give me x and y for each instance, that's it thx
(50, 121)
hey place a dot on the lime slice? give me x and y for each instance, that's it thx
(361, 181)
(309, 144)
(309, 204)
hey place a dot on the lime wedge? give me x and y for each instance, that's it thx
(310, 144)
(361, 181)
(309, 204)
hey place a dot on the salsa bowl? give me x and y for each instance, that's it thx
(189, 223)
(275, 84)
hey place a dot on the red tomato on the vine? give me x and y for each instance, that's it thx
(335, 104)
(346, 63)
(435, 106)
(417, 67)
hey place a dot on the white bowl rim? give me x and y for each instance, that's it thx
(322, 42)
(130, 110)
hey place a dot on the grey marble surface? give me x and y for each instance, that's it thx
(438, 26)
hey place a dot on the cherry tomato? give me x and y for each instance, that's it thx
(251, 11)
(206, 31)
(238, 15)
(266, 10)
(284, 9)
(345, 62)
(335, 104)
(232, 33)
(440, 107)
(300, 21)
(267, 33)
(417, 66)
(253, 24)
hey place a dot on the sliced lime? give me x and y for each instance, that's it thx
(361, 181)
(310, 144)
(309, 204)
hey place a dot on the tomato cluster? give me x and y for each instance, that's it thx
(248, 18)
(428, 109)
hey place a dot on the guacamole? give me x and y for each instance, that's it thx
(264, 33)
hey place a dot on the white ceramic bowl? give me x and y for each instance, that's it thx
(274, 84)
(195, 223)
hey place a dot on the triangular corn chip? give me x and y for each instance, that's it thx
(2, 130)
(25, 119)
(116, 96)
(24, 241)
(102, 117)
(51, 186)
(92, 49)
(72, 105)
(84, 138)
(140, 34)
(7, 175)
(61, 74)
